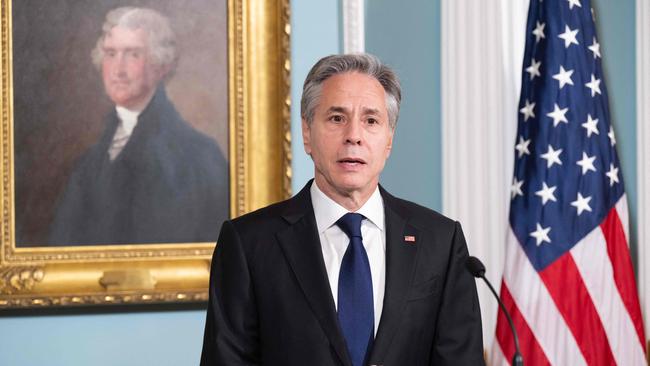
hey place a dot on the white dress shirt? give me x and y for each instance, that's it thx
(334, 241)
(128, 120)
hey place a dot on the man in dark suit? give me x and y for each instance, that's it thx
(343, 273)
(151, 178)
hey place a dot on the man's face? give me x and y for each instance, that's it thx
(130, 79)
(349, 138)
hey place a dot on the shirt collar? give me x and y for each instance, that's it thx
(327, 211)
(128, 117)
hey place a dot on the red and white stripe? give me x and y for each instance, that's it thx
(583, 309)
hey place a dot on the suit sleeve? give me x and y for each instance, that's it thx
(231, 328)
(459, 338)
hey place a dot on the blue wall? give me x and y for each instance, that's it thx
(153, 338)
(406, 37)
(616, 21)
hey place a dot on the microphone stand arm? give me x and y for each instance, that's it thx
(517, 359)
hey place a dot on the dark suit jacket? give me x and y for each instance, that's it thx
(271, 304)
(169, 184)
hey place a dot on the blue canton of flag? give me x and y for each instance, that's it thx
(567, 173)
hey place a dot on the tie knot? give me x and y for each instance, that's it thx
(350, 223)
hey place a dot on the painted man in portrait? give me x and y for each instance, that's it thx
(151, 177)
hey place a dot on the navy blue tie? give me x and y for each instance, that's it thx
(355, 306)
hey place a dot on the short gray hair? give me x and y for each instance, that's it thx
(338, 64)
(162, 40)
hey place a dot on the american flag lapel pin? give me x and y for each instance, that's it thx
(409, 239)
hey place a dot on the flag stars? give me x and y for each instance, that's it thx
(612, 174)
(515, 188)
(569, 36)
(573, 3)
(552, 156)
(590, 125)
(582, 204)
(533, 69)
(563, 77)
(538, 32)
(541, 234)
(595, 48)
(522, 147)
(587, 163)
(594, 85)
(578, 146)
(546, 193)
(528, 110)
(558, 115)
(612, 137)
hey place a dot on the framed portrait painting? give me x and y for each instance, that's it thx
(130, 131)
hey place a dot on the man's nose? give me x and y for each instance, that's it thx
(354, 131)
(120, 65)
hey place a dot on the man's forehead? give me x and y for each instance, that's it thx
(123, 37)
(353, 84)
(347, 91)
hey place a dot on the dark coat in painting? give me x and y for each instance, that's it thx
(168, 185)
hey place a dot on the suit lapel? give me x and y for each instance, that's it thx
(301, 245)
(400, 265)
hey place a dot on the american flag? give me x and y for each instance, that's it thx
(568, 279)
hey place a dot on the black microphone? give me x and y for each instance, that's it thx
(477, 269)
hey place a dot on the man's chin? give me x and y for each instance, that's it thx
(119, 98)
(347, 184)
(351, 187)
(125, 102)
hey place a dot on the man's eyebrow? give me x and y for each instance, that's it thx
(336, 109)
(365, 110)
(124, 48)
(368, 110)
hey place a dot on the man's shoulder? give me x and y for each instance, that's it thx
(162, 117)
(174, 135)
(266, 217)
(176, 128)
(417, 215)
(258, 228)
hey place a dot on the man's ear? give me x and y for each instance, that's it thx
(306, 140)
(389, 146)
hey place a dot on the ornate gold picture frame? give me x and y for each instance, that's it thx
(258, 149)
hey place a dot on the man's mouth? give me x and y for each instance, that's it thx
(351, 161)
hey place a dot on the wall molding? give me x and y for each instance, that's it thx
(353, 26)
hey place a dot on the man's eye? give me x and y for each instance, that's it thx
(372, 121)
(134, 54)
(336, 118)
(109, 53)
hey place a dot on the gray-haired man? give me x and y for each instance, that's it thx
(343, 273)
(151, 178)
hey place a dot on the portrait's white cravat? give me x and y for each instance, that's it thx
(128, 120)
